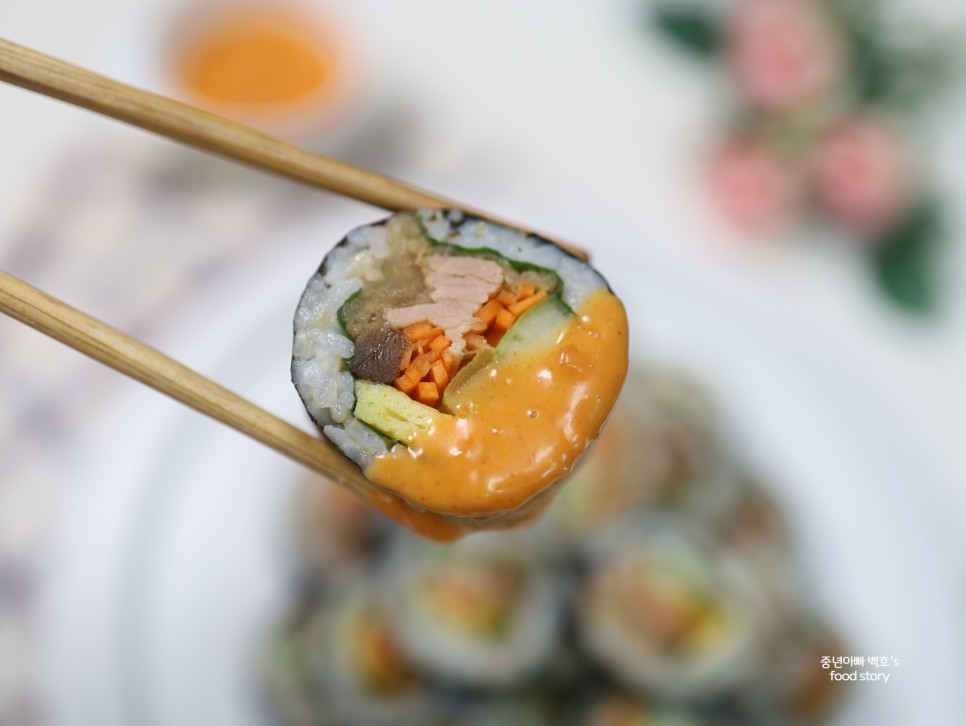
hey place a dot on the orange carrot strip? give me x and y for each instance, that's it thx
(439, 375)
(406, 383)
(447, 360)
(474, 341)
(504, 320)
(526, 290)
(507, 297)
(407, 358)
(420, 366)
(489, 311)
(519, 308)
(427, 393)
(440, 343)
(418, 331)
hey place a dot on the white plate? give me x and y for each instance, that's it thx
(172, 562)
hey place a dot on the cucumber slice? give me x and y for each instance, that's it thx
(537, 327)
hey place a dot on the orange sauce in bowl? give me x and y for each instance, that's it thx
(520, 426)
(253, 62)
(278, 67)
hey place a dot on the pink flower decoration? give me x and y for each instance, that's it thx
(862, 175)
(785, 53)
(752, 186)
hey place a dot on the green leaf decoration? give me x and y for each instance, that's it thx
(904, 261)
(692, 28)
(900, 69)
(902, 80)
(873, 74)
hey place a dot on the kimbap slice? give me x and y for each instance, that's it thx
(287, 671)
(621, 709)
(358, 670)
(484, 614)
(657, 453)
(796, 688)
(664, 612)
(463, 365)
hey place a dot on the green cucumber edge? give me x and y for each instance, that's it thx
(340, 313)
(340, 316)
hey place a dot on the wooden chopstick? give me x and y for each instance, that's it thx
(113, 348)
(52, 77)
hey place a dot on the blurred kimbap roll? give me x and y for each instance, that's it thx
(621, 709)
(755, 532)
(674, 421)
(463, 365)
(483, 614)
(358, 670)
(335, 530)
(287, 671)
(530, 710)
(665, 614)
(796, 688)
(658, 452)
(755, 526)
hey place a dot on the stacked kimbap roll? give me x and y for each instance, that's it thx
(660, 451)
(666, 614)
(463, 365)
(357, 668)
(620, 709)
(797, 689)
(486, 612)
(659, 589)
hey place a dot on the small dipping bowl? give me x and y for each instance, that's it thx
(287, 68)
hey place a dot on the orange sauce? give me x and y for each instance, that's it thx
(249, 62)
(425, 524)
(269, 61)
(520, 426)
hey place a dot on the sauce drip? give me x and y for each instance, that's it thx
(426, 524)
(520, 425)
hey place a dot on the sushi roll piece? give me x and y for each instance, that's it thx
(666, 614)
(755, 531)
(526, 710)
(796, 689)
(484, 614)
(674, 441)
(621, 709)
(358, 670)
(605, 487)
(657, 446)
(463, 365)
(659, 452)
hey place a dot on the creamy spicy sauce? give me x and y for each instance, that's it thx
(426, 524)
(518, 427)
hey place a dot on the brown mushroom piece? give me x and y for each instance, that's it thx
(380, 355)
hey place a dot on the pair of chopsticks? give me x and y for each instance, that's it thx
(51, 77)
